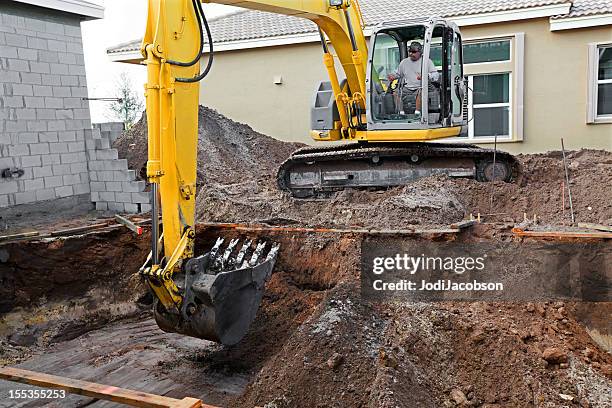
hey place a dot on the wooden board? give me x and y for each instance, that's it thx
(100, 391)
(562, 234)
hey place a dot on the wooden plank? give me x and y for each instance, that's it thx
(463, 224)
(267, 228)
(562, 234)
(99, 391)
(598, 227)
(19, 236)
(78, 230)
(129, 224)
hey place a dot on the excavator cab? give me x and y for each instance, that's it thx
(412, 62)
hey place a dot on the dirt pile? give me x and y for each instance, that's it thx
(237, 166)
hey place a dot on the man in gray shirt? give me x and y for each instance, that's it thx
(409, 75)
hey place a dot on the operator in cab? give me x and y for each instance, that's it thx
(409, 75)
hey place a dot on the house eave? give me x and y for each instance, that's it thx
(90, 11)
(581, 22)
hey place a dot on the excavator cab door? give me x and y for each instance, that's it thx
(427, 91)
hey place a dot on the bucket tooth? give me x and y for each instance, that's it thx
(243, 251)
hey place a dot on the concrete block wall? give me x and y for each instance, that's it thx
(43, 118)
(113, 186)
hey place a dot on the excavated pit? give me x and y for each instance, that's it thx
(78, 308)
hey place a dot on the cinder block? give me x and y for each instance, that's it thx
(48, 56)
(61, 170)
(28, 137)
(56, 125)
(93, 176)
(140, 198)
(95, 196)
(27, 54)
(54, 28)
(82, 188)
(13, 101)
(123, 175)
(67, 136)
(44, 171)
(48, 137)
(78, 168)
(107, 196)
(33, 185)
(59, 46)
(58, 147)
(59, 69)
(42, 90)
(84, 177)
(62, 92)
(72, 103)
(74, 48)
(53, 181)
(106, 175)
(18, 65)
(133, 186)
(97, 186)
(102, 144)
(117, 165)
(101, 206)
(69, 158)
(45, 114)
(71, 179)
(78, 91)
(39, 148)
(4, 201)
(16, 40)
(116, 207)
(10, 77)
(76, 146)
(22, 89)
(65, 191)
(67, 58)
(7, 51)
(40, 67)
(50, 159)
(31, 78)
(123, 197)
(70, 80)
(108, 154)
(25, 198)
(34, 101)
(72, 31)
(37, 126)
(45, 194)
(19, 150)
(113, 186)
(64, 114)
(31, 161)
(54, 103)
(81, 113)
(51, 79)
(25, 114)
(145, 208)
(8, 187)
(131, 208)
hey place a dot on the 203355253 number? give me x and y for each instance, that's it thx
(37, 394)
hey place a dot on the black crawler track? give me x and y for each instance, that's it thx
(359, 165)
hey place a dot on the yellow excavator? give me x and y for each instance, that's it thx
(366, 101)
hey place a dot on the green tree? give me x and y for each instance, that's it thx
(129, 105)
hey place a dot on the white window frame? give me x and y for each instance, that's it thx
(516, 67)
(471, 106)
(593, 85)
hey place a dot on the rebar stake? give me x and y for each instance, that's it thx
(569, 191)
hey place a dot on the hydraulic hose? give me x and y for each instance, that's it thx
(199, 54)
(201, 76)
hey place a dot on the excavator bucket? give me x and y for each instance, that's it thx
(222, 290)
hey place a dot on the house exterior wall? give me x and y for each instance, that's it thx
(45, 125)
(43, 118)
(241, 86)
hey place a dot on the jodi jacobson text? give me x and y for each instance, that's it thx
(439, 285)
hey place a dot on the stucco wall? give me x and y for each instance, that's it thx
(241, 86)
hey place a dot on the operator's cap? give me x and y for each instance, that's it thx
(415, 46)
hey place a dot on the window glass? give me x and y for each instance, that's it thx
(456, 72)
(492, 121)
(604, 99)
(491, 89)
(386, 55)
(605, 63)
(490, 51)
